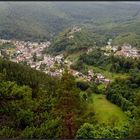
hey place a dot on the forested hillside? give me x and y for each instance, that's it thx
(39, 21)
(35, 105)
(75, 42)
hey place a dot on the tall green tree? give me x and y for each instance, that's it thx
(68, 106)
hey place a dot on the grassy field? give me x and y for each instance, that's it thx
(105, 111)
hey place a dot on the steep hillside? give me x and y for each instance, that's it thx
(69, 41)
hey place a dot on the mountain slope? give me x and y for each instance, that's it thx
(29, 20)
(69, 42)
(39, 21)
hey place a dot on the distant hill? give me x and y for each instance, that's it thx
(40, 21)
(30, 20)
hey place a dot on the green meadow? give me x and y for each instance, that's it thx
(105, 111)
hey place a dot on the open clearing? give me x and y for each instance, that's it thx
(105, 111)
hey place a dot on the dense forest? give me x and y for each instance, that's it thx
(33, 104)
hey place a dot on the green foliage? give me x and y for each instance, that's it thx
(24, 75)
(130, 38)
(33, 117)
(69, 105)
(122, 92)
(94, 88)
(89, 131)
(28, 133)
(84, 95)
(86, 131)
(96, 58)
(12, 90)
(82, 85)
(24, 118)
(7, 46)
(49, 129)
(110, 63)
(79, 65)
(7, 132)
(13, 97)
(135, 129)
(124, 65)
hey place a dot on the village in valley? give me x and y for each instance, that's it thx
(32, 54)
(125, 50)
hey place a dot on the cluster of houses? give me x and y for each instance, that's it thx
(23, 50)
(128, 51)
(47, 65)
(97, 77)
(91, 76)
(2, 41)
(26, 51)
(31, 54)
(125, 50)
(72, 31)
